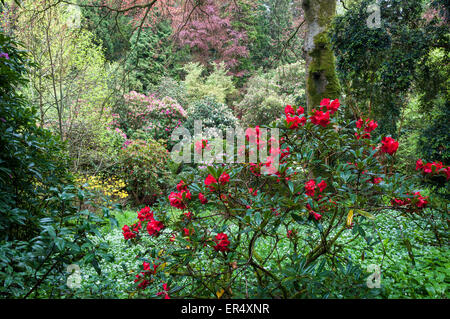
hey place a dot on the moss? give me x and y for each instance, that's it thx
(322, 77)
(326, 11)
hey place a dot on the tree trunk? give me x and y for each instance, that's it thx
(321, 78)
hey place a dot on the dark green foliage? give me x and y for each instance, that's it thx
(113, 30)
(42, 225)
(378, 67)
(268, 27)
(152, 56)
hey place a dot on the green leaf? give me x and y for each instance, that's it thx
(365, 214)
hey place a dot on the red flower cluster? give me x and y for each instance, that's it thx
(211, 182)
(368, 126)
(165, 292)
(128, 233)
(202, 198)
(181, 186)
(222, 242)
(389, 145)
(144, 277)
(145, 214)
(332, 106)
(154, 227)
(376, 180)
(188, 215)
(178, 200)
(418, 200)
(310, 187)
(224, 178)
(320, 118)
(292, 117)
(316, 216)
(433, 168)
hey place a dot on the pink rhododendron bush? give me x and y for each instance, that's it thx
(242, 230)
(156, 116)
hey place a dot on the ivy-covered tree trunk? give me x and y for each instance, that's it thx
(321, 78)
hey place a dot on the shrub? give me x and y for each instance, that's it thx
(173, 89)
(267, 93)
(110, 187)
(42, 229)
(237, 234)
(148, 113)
(145, 170)
(218, 84)
(213, 114)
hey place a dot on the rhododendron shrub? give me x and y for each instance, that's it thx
(145, 170)
(158, 117)
(237, 229)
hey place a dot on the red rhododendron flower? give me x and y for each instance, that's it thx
(210, 181)
(389, 145)
(294, 122)
(202, 198)
(333, 106)
(285, 152)
(376, 180)
(322, 185)
(364, 136)
(145, 214)
(359, 123)
(320, 118)
(370, 126)
(309, 187)
(188, 215)
(154, 227)
(146, 266)
(224, 178)
(418, 200)
(165, 292)
(325, 102)
(176, 200)
(300, 110)
(181, 186)
(421, 201)
(127, 233)
(222, 242)
(419, 164)
(316, 216)
(289, 110)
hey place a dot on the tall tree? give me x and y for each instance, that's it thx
(321, 78)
